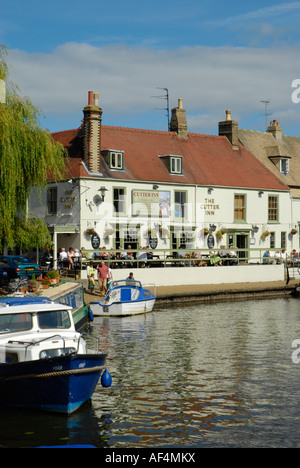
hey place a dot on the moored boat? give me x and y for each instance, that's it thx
(125, 297)
(44, 361)
(71, 293)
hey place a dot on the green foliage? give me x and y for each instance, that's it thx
(28, 156)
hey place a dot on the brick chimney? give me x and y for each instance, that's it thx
(178, 122)
(230, 129)
(275, 129)
(92, 133)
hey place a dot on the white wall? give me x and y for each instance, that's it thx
(203, 275)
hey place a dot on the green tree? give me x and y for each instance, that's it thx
(28, 156)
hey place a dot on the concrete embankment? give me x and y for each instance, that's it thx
(210, 284)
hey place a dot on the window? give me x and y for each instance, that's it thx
(119, 201)
(273, 208)
(284, 166)
(175, 165)
(54, 319)
(239, 208)
(116, 160)
(15, 322)
(52, 201)
(180, 204)
(283, 240)
(272, 240)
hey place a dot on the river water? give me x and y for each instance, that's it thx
(205, 375)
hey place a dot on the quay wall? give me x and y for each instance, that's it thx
(186, 276)
(210, 283)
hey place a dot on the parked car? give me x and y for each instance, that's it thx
(22, 266)
(6, 273)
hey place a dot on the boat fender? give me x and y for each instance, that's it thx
(91, 315)
(106, 379)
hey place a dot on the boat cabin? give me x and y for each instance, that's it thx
(36, 328)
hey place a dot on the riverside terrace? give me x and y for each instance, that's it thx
(160, 258)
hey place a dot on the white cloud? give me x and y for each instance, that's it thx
(208, 79)
(257, 15)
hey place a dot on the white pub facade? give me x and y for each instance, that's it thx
(165, 191)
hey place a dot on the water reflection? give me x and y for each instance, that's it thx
(208, 375)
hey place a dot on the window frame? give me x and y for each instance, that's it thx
(175, 164)
(52, 201)
(272, 209)
(182, 204)
(242, 209)
(117, 201)
(119, 157)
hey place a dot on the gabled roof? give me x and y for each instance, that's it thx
(206, 159)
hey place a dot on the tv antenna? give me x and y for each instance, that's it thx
(266, 114)
(166, 98)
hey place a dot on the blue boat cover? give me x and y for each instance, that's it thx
(17, 301)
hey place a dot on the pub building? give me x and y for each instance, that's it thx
(163, 190)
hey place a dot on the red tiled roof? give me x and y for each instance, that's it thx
(206, 160)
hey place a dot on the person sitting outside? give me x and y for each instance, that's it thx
(267, 259)
(214, 259)
(63, 256)
(197, 256)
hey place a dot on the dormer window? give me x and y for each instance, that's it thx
(173, 163)
(282, 163)
(114, 159)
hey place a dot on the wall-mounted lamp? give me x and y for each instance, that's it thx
(255, 228)
(260, 194)
(102, 190)
(209, 190)
(155, 187)
(212, 227)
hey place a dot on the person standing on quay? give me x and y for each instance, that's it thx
(103, 271)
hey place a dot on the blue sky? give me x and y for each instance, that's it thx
(214, 55)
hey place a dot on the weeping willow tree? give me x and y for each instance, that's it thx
(28, 154)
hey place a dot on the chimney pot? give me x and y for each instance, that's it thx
(90, 98)
(228, 114)
(180, 103)
(96, 99)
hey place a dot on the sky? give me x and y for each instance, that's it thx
(215, 55)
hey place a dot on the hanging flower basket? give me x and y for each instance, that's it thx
(220, 233)
(293, 232)
(152, 233)
(265, 234)
(164, 232)
(89, 232)
(205, 231)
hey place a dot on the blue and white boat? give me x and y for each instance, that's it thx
(125, 297)
(44, 361)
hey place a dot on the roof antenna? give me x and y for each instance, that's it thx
(266, 103)
(166, 97)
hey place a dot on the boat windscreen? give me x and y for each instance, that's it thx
(15, 322)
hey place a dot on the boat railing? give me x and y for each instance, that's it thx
(57, 337)
(150, 286)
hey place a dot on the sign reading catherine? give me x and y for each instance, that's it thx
(150, 203)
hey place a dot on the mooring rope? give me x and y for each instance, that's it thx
(54, 374)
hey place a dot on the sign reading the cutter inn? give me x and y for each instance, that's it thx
(150, 203)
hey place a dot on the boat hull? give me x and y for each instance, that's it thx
(119, 309)
(60, 384)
